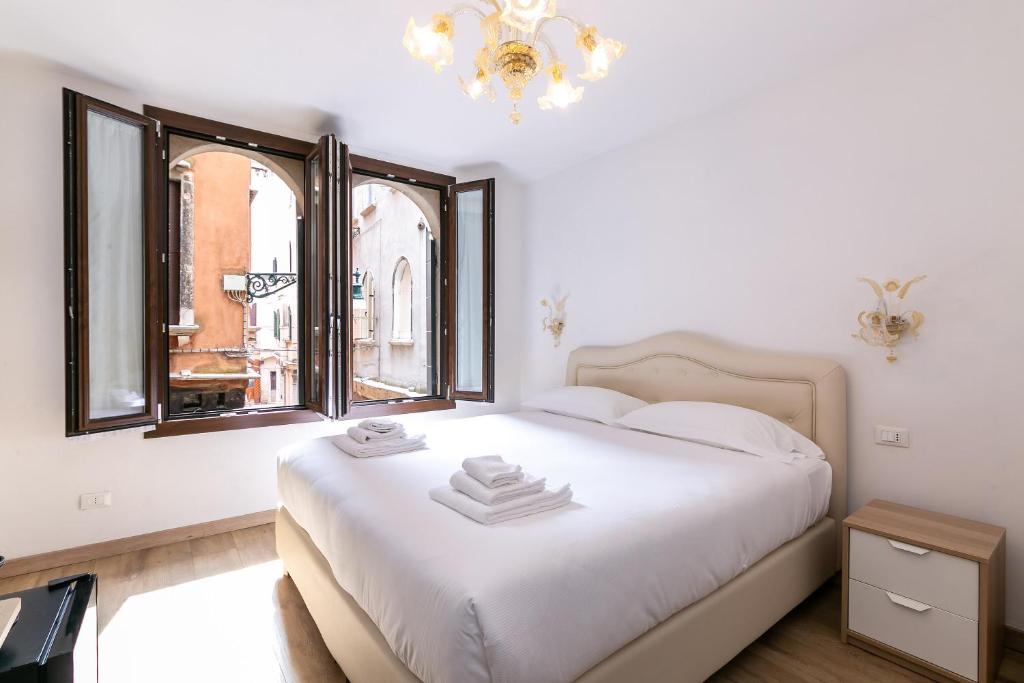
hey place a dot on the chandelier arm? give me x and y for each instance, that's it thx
(575, 23)
(548, 46)
(461, 9)
(492, 3)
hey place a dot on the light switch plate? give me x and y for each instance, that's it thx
(892, 436)
(92, 501)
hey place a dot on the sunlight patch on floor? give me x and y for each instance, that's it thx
(218, 628)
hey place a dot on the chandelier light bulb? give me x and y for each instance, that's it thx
(479, 86)
(524, 15)
(560, 93)
(598, 53)
(481, 83)
(431, 43)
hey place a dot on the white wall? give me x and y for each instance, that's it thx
(753, 223)
(156, 483)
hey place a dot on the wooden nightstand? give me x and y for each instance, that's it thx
(925, 590)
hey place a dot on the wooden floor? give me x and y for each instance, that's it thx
(217, 609)
(805, 646)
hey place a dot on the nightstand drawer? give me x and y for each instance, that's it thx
(944, 581)
(929, 633)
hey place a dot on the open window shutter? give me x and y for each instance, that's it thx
(320, 226)
(320, 218)
(470, 316)
(111, 330)
(343, 288)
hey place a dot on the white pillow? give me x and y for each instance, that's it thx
(722, 425)
(588, 403)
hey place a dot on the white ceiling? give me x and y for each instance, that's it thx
(314, 65)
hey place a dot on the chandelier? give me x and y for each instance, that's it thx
(512, 31)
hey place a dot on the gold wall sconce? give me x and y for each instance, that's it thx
(554, 321)
(886, 325)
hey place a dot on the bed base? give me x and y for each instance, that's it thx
(689, 646)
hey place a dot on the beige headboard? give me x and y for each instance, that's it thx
(809, 394)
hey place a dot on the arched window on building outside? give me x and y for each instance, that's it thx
(401, 326)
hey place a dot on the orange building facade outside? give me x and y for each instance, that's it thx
(210, 365)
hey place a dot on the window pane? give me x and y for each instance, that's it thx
(115, 249)
(469, 293)
(395, 235)
(233, 347)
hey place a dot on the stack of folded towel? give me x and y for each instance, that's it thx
(489, 490)
(378, 437)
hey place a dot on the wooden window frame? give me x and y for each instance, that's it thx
(76, 265)
(224, 423)
(385, 170)
(226, 133)
(486, 394)
(187, 125)
(314, 385)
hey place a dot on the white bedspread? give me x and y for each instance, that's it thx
(655, 525)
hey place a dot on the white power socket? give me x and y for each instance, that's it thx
(892, 436)
(92, 501)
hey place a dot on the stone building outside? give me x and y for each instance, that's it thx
(393, 244)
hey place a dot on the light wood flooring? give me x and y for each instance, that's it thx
(218, 610)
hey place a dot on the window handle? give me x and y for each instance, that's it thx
(907, 602)
(906, 547)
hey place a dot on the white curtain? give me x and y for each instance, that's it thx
(469, 292)
(116, 286)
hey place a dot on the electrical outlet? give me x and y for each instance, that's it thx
(92, 501)
(892, 436)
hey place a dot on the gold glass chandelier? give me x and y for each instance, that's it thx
(512, 31)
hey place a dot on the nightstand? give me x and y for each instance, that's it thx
(54, 639)
(925, 590)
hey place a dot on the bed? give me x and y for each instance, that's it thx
(671, 559)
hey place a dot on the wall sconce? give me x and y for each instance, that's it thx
(554, 321)
(886, 325)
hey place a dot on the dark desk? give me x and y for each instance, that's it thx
(54, 639)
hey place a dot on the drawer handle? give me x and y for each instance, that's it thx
(899, 545)
(908, 603)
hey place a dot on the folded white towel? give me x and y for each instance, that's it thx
(379, 424)
(493, 514)
(389, 447)
(491, 470)
(367, 435)
(461, 481)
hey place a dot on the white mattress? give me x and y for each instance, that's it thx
(655, 525)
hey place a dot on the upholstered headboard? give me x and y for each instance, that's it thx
(809, 394)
